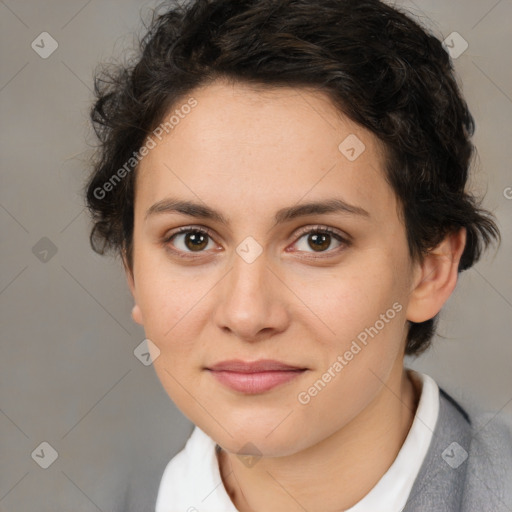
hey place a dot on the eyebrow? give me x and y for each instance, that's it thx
(192, 209)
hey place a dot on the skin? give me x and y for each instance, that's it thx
(247, 153)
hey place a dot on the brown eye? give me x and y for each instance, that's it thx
(188, 240)
(319, 241)
(195, 240)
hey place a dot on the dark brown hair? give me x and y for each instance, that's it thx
(375, 63)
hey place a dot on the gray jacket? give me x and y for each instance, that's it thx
(468, 468)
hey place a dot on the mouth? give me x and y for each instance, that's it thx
(254, 377)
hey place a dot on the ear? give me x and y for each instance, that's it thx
(136, 311)
(436, 277)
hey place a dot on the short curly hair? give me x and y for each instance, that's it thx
(375, 63)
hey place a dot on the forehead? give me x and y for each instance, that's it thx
(265, 146)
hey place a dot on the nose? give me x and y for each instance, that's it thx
(251, 301)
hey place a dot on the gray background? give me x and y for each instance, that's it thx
(68, 375)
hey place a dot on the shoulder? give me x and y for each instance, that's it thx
(468, 466)
(489, 472)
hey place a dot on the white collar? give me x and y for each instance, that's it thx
(392, 490)
(192, 482)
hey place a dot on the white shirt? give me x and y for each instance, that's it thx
(191, 481)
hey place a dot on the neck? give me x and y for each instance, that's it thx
(341, 469)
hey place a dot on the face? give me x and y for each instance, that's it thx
(252, 274)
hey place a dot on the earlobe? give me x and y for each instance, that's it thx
(436, 278)
(137, 315)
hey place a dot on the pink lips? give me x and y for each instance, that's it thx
(254, 377)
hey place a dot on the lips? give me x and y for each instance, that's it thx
(256, 376)
(263, 365)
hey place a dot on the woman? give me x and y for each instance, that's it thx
(285, 182)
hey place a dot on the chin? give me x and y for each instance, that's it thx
(254, 438)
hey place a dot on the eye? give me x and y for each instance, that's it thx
(189, 240)
(320, 239)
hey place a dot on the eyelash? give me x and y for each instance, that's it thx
(204, 231)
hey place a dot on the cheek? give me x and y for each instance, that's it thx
(366, 312)
(174, 311)
(352, 301)
(167, 297)
(354, 369)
